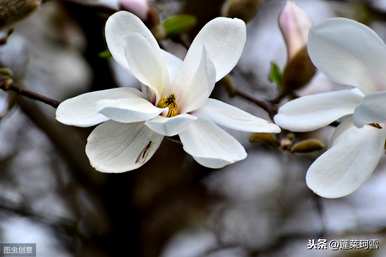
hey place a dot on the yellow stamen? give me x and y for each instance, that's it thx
(170, 102)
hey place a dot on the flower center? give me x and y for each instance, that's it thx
(170, 102)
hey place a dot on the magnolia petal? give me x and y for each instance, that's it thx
(348, 163)
(231, 117)
(345, 124)
(224, 39)
(170, 126)
(82, 110)
(372, 110)
(118, 27)
(210, 145)
(174, 64)
(147, 63)
(194, 93)
(116, 147)
(128, 110)
(349, 53)
(316, 111)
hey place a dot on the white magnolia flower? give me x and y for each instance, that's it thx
(134, 123)
(349, 53)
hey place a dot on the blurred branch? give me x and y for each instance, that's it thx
(83, 15)
(230, 87)
(318, 201)
(75, 157)
(9, 85)
(24, 210)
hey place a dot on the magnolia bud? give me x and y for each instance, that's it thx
(12, 11)
(286, 142)
(139, 7)
(265, 138)
(298, 72)
(294, 25)
(243, 9)
(308, 146)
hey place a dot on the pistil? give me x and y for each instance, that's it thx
(169, 102)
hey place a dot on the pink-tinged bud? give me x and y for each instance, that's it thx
(138, 7)
(294, 25)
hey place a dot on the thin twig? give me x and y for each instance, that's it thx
(8, 85)
(259, 102)
(23, 210)
(279, 98)
(233, 91)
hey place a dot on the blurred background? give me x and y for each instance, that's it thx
(171, 207)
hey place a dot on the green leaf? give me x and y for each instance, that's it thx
(275, 75)
(178, 24)
(105, 54)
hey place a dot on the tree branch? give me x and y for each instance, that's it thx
(9, 85)
(233, 91)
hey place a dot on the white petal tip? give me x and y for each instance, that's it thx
(286, 122)
(213, 163)
(269, 128)
(240, 22)
(66, 116)
(275, 129)
(322, 191)
(106, 170)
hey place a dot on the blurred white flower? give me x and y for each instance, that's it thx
(349, 53)
(294, 25)
(135, 122)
